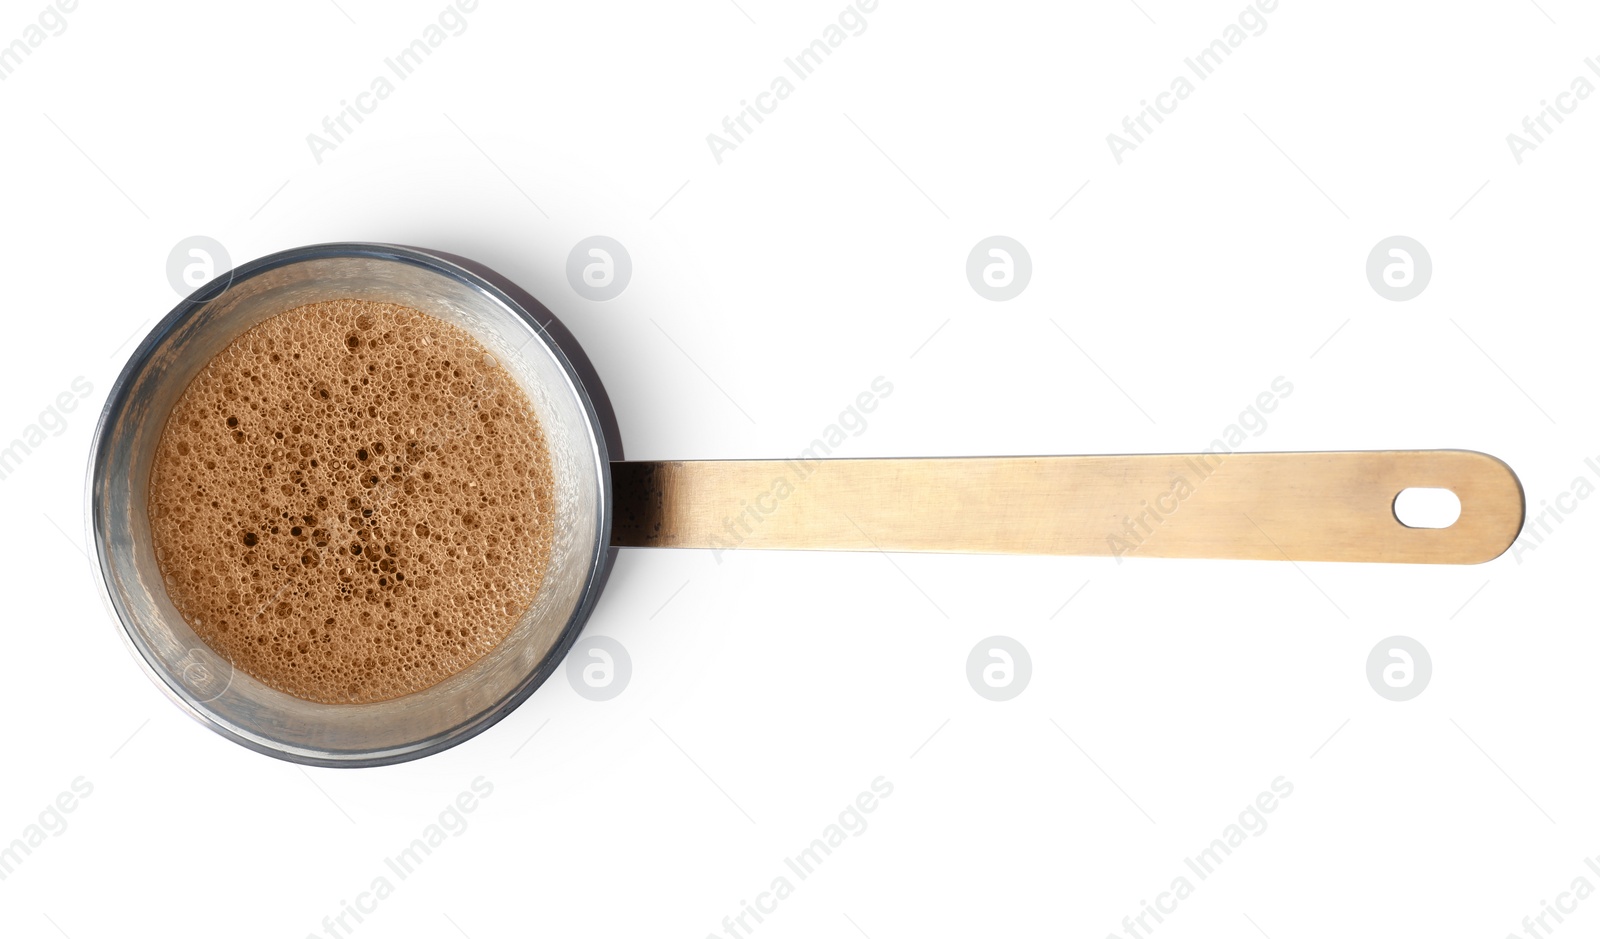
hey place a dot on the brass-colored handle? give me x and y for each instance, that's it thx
(1260, 506)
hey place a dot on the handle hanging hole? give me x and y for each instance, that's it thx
(1421, 507)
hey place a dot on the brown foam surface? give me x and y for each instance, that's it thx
(352, 502)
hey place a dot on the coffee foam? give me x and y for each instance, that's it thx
(352, 502)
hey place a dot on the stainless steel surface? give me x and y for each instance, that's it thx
(233, 703)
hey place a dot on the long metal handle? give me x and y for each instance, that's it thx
(1261, 506)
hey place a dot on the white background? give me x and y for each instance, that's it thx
(767, 293)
